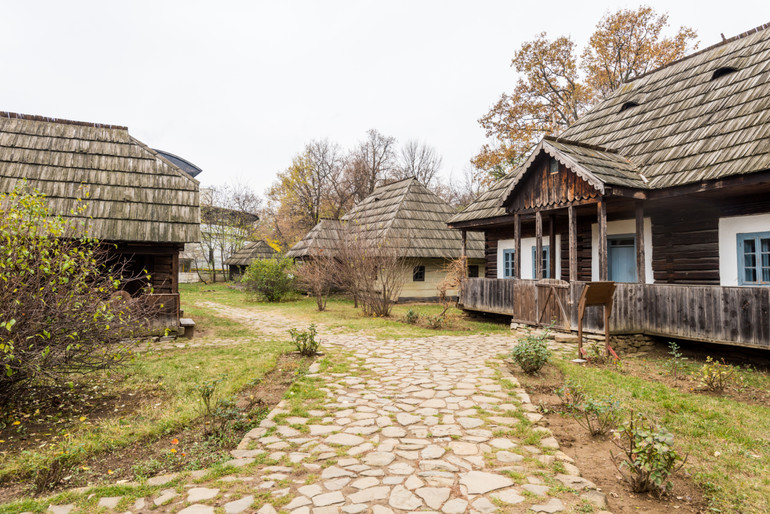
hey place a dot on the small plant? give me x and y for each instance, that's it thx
(716, 376)
(437, 321)
(305, 341)
(532, 352)
(648, 456)
(411, 317)
(599, 417)
(676, 363)
(597, 353)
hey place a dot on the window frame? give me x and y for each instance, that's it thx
(757, 238)
(508, 264)
(418, 273)
(546, 262)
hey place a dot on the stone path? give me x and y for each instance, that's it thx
(430, 424)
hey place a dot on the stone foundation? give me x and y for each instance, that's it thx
(621, 343)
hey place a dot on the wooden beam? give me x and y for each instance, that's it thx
(640, 261)
(601, 214)
(552, 246)
(517, 249)
(573, 274)
(538, 245)
(464, 253)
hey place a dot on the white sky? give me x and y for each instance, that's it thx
(238, 88)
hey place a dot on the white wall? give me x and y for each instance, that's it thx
(527, 243)
(729, 228)
(621, 227)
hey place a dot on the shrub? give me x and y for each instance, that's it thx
(437, 321)
(305, 341)
(715, 375)
(270, 278)
(532, 352)
(61, 311)
(599, 417)
(411, 317)
(649, 457)
(676, 363)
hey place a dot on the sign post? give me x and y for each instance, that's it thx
(596, 294)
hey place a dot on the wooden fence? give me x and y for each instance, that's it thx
(728, 315)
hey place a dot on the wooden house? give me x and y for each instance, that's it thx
(137, 200)
(664, 188)
(240, 260)
(405, 211)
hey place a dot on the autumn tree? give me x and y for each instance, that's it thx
(551, 93)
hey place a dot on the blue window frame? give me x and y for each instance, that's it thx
(754, 259)
(546, 262)
(508, 263)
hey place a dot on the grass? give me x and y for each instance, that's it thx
(167, 381)
(728, 441)
(341, 315)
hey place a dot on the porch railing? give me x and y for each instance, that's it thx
(728, 315)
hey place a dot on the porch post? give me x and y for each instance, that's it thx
(572, 244)
(601, 209)
(640, 267)
(538, 245)
(517, 249)
(552, 246)
(464, 253)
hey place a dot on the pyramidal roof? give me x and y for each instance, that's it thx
(255, 250)
(407, 212)
(321, 238)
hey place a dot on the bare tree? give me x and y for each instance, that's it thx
(371, 268)
(462, 190)
(418, 160)
(228, 217)
(318, 274)
(370, 163)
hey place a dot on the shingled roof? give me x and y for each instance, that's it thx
(131, 192)
(701, 118)
(323, 237)
(408, 212)
(250, 252)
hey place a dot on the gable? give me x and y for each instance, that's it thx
(540, 189)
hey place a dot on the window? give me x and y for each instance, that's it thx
(418, 274)
(754, 258)
(508, 263)
(546, 259)
(553, 166)
(628, 105)
(722, 71)
(473, 271)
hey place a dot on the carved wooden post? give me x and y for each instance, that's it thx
(552, 246)
(464, 253)
(601, 209)
(538, 245)
(517, 250)
(640, 265)
(572, 244)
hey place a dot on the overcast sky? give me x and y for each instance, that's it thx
(238, 88)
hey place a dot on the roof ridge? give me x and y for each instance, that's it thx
(582, 145)
(48, 119)
(758, 28)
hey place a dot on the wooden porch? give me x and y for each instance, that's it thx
(726, 315)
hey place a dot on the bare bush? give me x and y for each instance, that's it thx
(318, 275)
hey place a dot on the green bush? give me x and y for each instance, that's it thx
(411, 317)
(61, 310)
(270, 278)
(649, 457)
(596, 416)
(305, 341)
(716, 376)
(532, 352)
(676, 363)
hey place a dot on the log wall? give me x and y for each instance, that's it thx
(727, 315)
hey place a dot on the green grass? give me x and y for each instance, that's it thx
(341, 315)
(168, 382)
(728, 441)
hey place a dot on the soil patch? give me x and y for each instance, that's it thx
(592, 454)
(188, 448)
